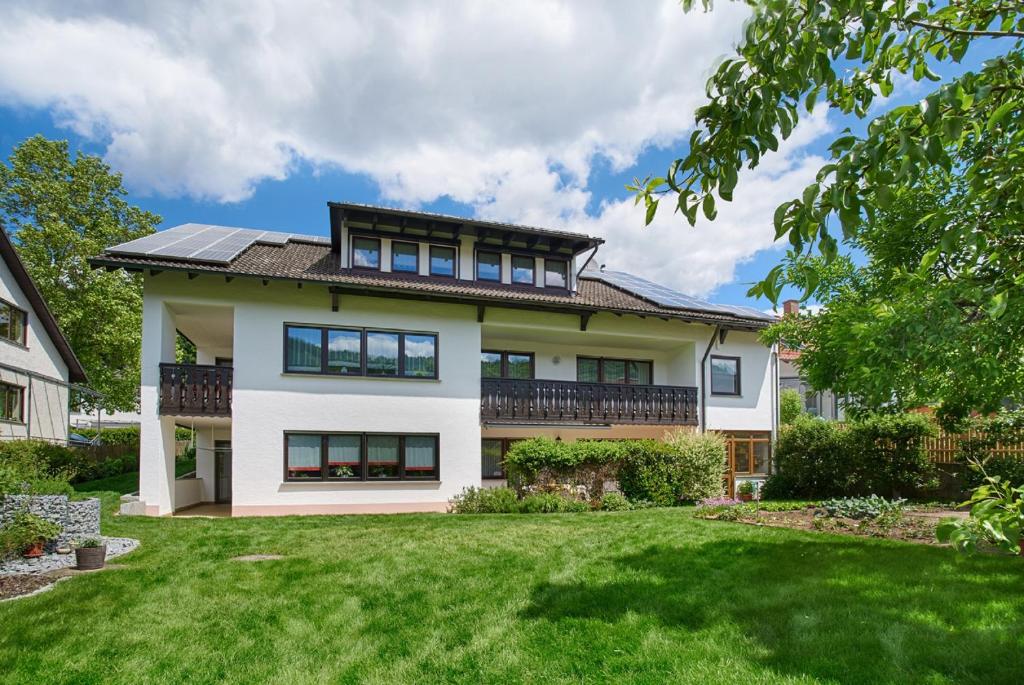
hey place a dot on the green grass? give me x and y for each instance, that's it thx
(651, 596)
(127, 482)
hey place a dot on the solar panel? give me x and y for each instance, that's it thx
(204, 243)
(666, 297)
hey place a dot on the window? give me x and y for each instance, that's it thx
(359, 352)
(360, 457)
(494, 364)
(488, 266)
(522, 270)
(812, 402)
(599, 370)
(556, 273)
(750, 452)
(442, 261)
(492, 456)
(12, 323)
(405, 257)
(366, 253)
(725, 375)
(11, 402)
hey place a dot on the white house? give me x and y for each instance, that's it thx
(37, 364)
(388, 367)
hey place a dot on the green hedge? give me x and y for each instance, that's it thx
(126, 435)
(27, 468)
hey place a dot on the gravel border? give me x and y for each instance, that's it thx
(52, 562)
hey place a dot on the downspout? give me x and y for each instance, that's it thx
(703, 381)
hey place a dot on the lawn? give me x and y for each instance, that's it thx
(650, 596)
(128, 482)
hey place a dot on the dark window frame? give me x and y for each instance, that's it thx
(711, 371)
(352, 253)
(565, 264)
(363, 331)
(501, 266)
(21, 403)
(504, 354)
(512, 269)
(505, 444)
(455, 261)
(15, 309)
(600, 369)
(363, 457)
(416, 270)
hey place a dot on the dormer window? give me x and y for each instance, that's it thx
(522, 270)
(405, 257)
(366, 253)
(556, 273)
(442, 261)
(488, 266)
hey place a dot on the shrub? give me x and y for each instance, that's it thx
(701, 463)
(648, 472)
(870, 507)
(485, 501)
(791, 405)
(614, 501)
(125, 435)
(810, 461)
(550, 503)
(25, 530)
(26, 468)
(552, 465)
(1009, 468)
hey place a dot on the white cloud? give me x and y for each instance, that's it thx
(502, 106)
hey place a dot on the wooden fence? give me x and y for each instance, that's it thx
(946, 447)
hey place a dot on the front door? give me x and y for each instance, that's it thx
(222, 465)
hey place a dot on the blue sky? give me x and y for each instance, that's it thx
(263, 123)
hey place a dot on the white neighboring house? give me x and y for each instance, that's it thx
(37, 365)
(388, 367)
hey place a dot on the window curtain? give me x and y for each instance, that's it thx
(304, 451)
(343, 449)
(419, 453)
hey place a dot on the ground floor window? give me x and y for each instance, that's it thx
(750, 452)
(12, 402)
(492, 453)
(360, 456)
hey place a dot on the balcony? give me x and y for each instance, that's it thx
(504, 400)
(195, 390)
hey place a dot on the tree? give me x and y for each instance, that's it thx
(791, 405)
(967, 133)
(62, 211)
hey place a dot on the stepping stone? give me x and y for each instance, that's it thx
(257, 557)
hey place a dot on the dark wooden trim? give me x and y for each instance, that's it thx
(21, 403)
(23, 343)
(711, 374)
(476, 266)
(352, 253)
(600, 367)
(195, 389)
(363, 476)
(415, 270)
(405, 237)
(585, 320)
(363, 356)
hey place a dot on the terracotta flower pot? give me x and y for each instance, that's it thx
(34, 550)
(90, 558)
(746, 497)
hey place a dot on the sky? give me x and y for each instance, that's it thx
(258, 113)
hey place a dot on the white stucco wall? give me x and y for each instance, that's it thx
(753, 409)
(46, 402)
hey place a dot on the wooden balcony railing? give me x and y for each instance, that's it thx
(504, 400)
(195, 390)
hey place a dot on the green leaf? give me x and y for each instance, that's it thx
(652, 208)
(997, 305)
(998, 115)
(709, 207)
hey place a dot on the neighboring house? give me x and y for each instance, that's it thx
(37, 365)
(825, 403)
(390, 366)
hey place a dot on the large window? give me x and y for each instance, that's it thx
(750, 452)
(360, 456)
(602, 370)
(503, 364)
(12, 323)
(523, 270)
(405, 257)
(556, 273)
(366, 253)
(725, 375)
(442, 261)
(12, 401)
(488, 266)
(359, 352)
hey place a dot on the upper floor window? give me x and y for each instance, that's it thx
(359, 352)
(503, 364)
(522, 270)
(405, 257)
(600, 370)
(488, 266)
(366, 253)
(12, 322)
(442, 261)
(725, 375)
(556, 273)
(12, 402)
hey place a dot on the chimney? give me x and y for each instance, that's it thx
(791, 307)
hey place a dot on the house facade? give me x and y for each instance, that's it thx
(37, 365)
(389, 367)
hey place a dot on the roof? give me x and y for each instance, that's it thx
(10, 255)
(316, 263)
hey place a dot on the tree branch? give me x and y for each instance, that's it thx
(966, 32)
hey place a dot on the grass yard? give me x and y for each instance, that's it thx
(128, 482)
(652, 596)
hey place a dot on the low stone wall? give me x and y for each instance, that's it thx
(76, 519)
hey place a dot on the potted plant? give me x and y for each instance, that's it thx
(90, 554)
(746, 490)
(28, 533)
